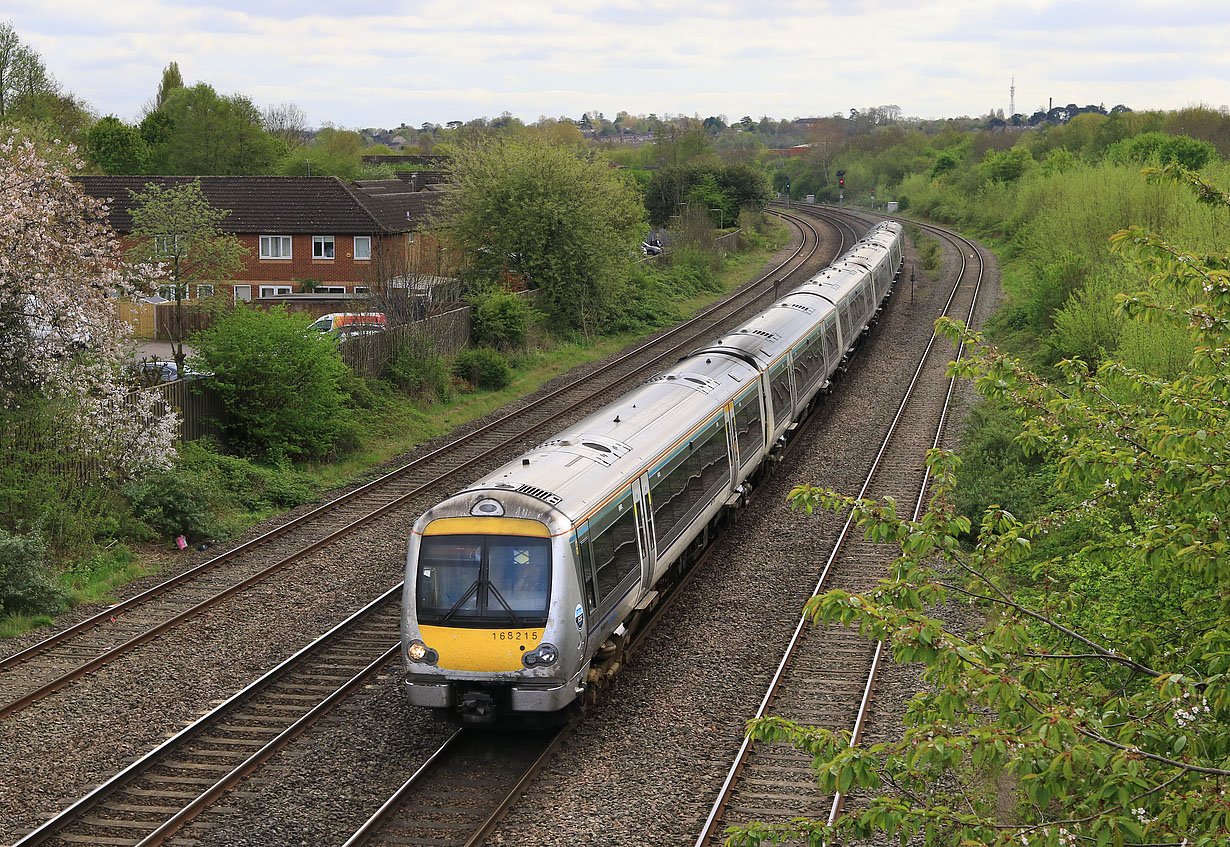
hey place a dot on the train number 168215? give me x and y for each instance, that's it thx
(515, 635)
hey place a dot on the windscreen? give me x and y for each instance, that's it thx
(479, 580)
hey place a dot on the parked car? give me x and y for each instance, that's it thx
(153, 372)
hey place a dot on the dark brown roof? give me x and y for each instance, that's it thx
(274, 204)
(398, 211)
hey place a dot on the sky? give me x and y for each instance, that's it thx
(382, 63)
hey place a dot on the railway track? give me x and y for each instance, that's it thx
(38, 671)
(826, 676)
(157, 795)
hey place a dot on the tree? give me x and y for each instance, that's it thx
(827, 139)
(11, 56)
(29, 94)
(62, 342)
(175, 225)
(1007, 165)
(212, 135)
(728, 187)
(1106, 711)
(282, 385)
(287, 122)
(171, 80)
(556, 216)
(116, 147)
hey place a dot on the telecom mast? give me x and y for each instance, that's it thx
(1012, 98)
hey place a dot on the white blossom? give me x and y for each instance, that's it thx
(61, 337)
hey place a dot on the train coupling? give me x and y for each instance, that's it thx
(477, 707)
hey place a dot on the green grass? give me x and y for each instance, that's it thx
(93, 580)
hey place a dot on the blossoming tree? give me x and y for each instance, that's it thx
(62, 341)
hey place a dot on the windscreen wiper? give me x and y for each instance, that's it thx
(491, 589)
(473, 589)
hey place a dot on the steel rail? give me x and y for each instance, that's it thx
(78, 809)
(719, 805)
(739, 300)
(864, 706)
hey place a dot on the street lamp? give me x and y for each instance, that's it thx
(721, 217)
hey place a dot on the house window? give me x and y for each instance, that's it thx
(330, 289)
(203, 290)
(243, 293)
(410, 238)
(275, 246)
(362, 289)
(322, 246)
(274, 290)
(165, 246)
(362, 248)
(166, 292)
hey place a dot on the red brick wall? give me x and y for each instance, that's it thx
(341, 269)
(424, 256)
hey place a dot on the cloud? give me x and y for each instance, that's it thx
(381, 63)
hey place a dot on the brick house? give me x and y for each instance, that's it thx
(341, 236)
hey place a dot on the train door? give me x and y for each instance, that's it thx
(642, 504)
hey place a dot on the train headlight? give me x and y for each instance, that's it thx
(417, 651)
(546, 654)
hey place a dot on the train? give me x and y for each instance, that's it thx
(522, 590)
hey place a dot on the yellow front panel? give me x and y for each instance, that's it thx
(489, 650)
(486, 526)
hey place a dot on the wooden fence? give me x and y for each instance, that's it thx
(201, 411)
(142, 316)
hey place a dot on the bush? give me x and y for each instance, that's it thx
(283, 387)
(484, 368)
(24, 583)
(173, 503)
(195, 498)
(418, 370)
(501, 321)
(650, 307)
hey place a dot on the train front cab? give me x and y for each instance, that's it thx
(486, 635)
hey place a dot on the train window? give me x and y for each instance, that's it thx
(681, 489)
(481, 579)
(779, 387)
(518, 576)
(585, 559)
(614, 548)
(749, 426)
(808, 364)
(832, 348)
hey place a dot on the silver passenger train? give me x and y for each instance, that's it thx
(521, 589)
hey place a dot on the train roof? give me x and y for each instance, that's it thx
(580, 468)
(767, 336)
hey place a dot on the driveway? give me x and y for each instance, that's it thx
(157, 350)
